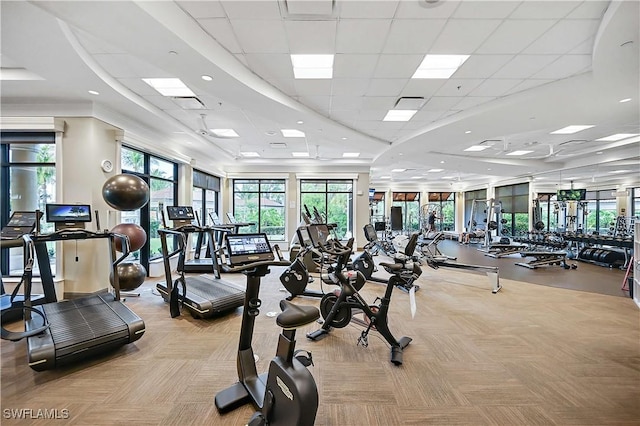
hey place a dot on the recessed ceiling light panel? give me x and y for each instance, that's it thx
(312, 66)
(350, 154)
(299, 154)
(249, 154)
(439, 66)
(522, 152)
(617, 137)
(575, 128)
(399, 115)
(292, 133)
(169, 86)
(225, 133)
(477, 148)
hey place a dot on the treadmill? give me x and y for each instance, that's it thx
(202, 296)
(87, 326)
(20, 223)
(197, 263)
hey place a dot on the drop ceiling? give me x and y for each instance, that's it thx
(533, 67)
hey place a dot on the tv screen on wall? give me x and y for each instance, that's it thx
(571, 194)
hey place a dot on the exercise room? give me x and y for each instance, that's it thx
(320, 212)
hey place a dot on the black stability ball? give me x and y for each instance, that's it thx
(130, 276)
(125, 192)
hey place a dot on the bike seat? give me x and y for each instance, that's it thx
(392, 266)
(294, 316)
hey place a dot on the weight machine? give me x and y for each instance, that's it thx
(572, 215)
(493, 221)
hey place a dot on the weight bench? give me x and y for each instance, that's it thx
(544, 258)
(501, 250)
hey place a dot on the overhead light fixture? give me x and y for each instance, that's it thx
(292, 133)
(617, 137)
(344, 138)
(385, 177)
(93, 92)
(619, 171)
(299, 154)
(300, 122)
(439, 66)
(312, 66)
(435, 170)
(599, 153)
(249, 154)
(278, 145)
(398, 170)
(624, 100)
(17, 74)
(442, 162)
(399, 114)
(467, 132)
(350, 154)
(225, 133)
(477, 148)
(575, 128)
(523, 152)
(207, 77)
(169, 86)
(448, 177)
(416, 177)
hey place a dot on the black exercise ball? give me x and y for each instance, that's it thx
(130, 276)
(137, 236)
(125, 192)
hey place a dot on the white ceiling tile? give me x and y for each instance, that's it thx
(514, 35)
(386, 134)
(412, 36)
(397, 66)
(527, 84)
(422, 10)
(313, 87)
(349, 87)
(427, 116)
(585, 48)
(347, 65)
(346, 103)
(241, 57)
(270, 65)
(344, 116)
(311, 36)
(386, 86)
(365, 9)
(524, 66)
(425, 87)
(564, 36)
(369, 124)
(203, 9)
(566, 66)
(260, 9)
(495, 87)
(260, 36)
(458, 87)
(361, 36)
(463, 36)
(309, 8)
(482, 66)
(441, 103)
(140, 87)
(127, 66)
(485, 9)
(162, 102)
(317, 103)
(384, 103)
(392, 125)
(589, 9)
(94, 45)
(544, 9)
(220, 29)
(472, 101)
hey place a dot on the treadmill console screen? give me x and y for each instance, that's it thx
(68, 213)
(247, 248)
(319, 234)
(22, 219)
(303, 236)
(180, 213)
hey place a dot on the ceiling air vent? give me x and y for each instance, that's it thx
(278, 145)
(189, 102)
(413, 103)
(308, 10)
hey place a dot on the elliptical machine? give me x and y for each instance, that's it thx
(336, 308)
(287, 393)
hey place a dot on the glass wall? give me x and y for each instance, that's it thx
(263, 203)
(548, 210)
(28, 184)
(333, 198)
(635, 202)
(410, 203)
(446, 202)
(515, 206)
(602, 211)
(162, 177)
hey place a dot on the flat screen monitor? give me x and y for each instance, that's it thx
(232, 218)
(215, 219)
(180, 213)
(319, 234)
(20, 223)
(303, 236)
(248, 248)
(68, 213)
(571, 195)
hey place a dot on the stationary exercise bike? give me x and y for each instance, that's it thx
(287, 394)
(336, 308)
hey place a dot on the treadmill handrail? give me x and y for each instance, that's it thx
(252, 265)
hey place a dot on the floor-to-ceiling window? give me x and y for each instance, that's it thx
(635, 202)
(446, 202)
(515, 206)
(479, 197)
(28, 175)
(377, 205)
(206, 189)
(410, 203)
(333, 198)
(261, 202)
(602, 211)
(162, 177)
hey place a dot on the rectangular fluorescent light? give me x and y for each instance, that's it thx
(477, 148)
(351, 154)
(416, 177)
(619, 171)
(439, 66)
(312, 66)
(169, 86)
(249, 154)
(225, 133)
(398, 170)
(617, 137)
(399, 114)
(300, 154)
(385, 177)
(519, 152)
(292, 133)
(572, 129)
(434, 170)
